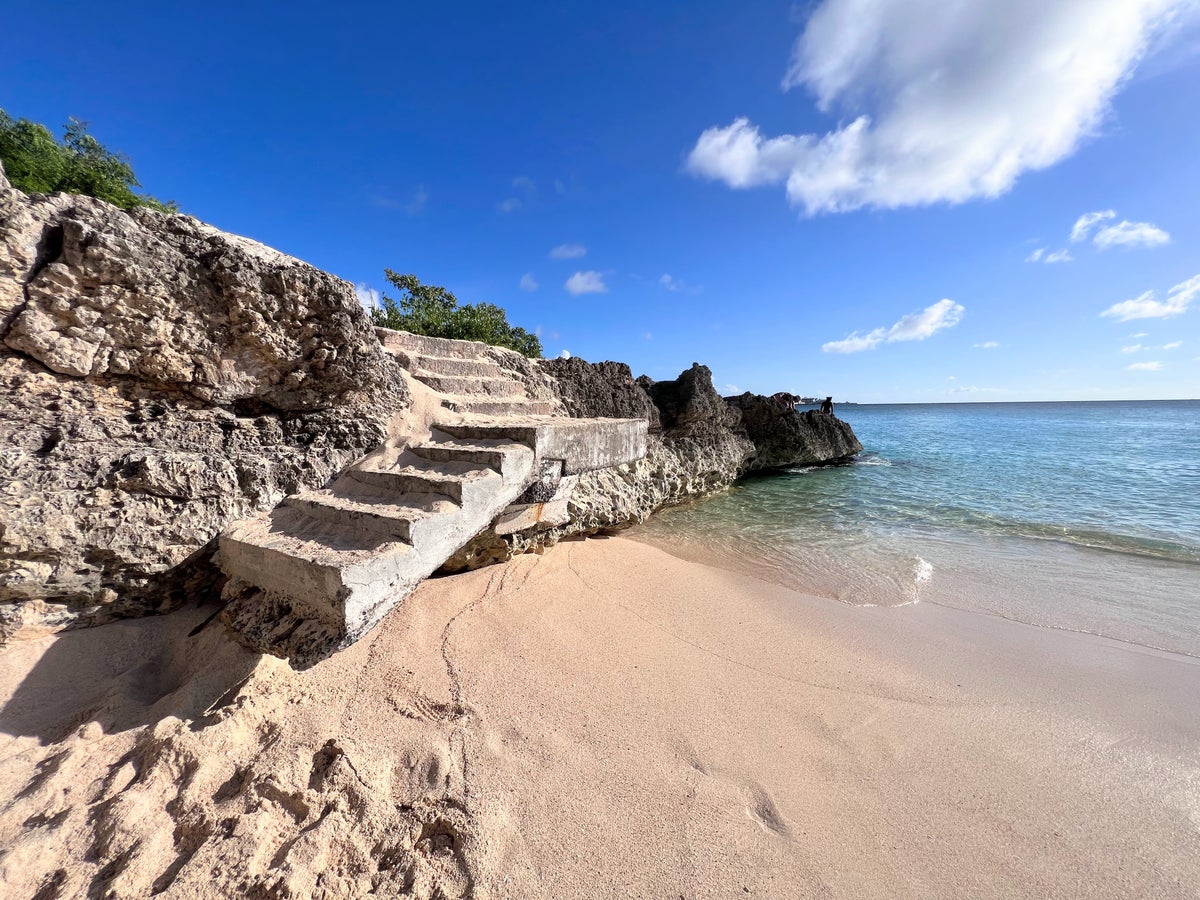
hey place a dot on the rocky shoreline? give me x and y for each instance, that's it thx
(163, 379)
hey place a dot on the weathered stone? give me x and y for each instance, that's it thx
(600, 389)
(784, 437)
(160, 379)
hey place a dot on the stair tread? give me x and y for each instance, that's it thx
(291, 532)
(409, 507)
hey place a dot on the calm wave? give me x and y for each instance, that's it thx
(1076, 515)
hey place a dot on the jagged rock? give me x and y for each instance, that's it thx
(784, 437)
(601, 389)
(160, 379)
(690, 403)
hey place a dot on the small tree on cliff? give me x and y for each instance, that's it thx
(35, 162)
(434, 311)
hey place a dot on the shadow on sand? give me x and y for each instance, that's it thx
(128, 674)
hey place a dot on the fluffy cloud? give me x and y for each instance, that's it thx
(671, 284)
(508, 205)
(913, 327)
(590, 282)
(367, 295)
(987, 345)
(1085, 223)
(1146, 366)
(1174, 345)
(528, 282)
(1179, 298)
(568, 251)
(1134, 348)
(1123, 234)
(944, 103)
(566, 354)
(1131, 234)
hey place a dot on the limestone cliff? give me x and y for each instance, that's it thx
(160, 379)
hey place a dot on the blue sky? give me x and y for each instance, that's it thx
(758, 186)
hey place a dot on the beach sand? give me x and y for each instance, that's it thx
(604, 720)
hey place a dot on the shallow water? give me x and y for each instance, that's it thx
(1084, 516)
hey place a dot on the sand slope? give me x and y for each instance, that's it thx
(603, 721)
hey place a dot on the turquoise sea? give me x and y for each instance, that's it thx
(1080, 515)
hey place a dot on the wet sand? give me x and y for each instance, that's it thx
(605, 721)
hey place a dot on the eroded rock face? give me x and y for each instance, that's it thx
(784, 437)
(160, 379)
(605, 389)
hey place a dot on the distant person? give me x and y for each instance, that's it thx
(827, 406)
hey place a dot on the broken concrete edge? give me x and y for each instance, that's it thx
(583, 445)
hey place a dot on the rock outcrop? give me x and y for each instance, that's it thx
(161, 379)
(784, 437)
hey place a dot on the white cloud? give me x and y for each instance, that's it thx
(1179, 298)
(1131, 234)
(1085, 223)
(367, 295)
(944, 103)
(647, 336)
(568, 251)
(1134, 348)
(1140, 334)
(1174, 345)
(1145, 366)
(1041, 255)
(732, 389)
(524, 184)
(974, 389)
(590, 282)
(913, 327)
(987, 345)
(508, 205)
(668, 282)
(566, 354)
(528, 282)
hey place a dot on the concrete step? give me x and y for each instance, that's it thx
(289, 552)
(485, 407)
(467, 385)
(417, 475)
(504, 456)
(421, 345)
(376, 510)
(451, 365)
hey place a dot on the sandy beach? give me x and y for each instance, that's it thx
(604, 720)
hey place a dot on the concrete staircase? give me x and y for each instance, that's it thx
(322, 568)
(462, 373)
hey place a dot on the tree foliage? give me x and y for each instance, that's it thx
(79, 164)
(434, 311)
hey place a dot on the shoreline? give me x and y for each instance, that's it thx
(606, 720)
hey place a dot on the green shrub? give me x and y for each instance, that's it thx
(37, 163)
(434, 311)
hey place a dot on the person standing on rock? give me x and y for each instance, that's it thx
(827, 406)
